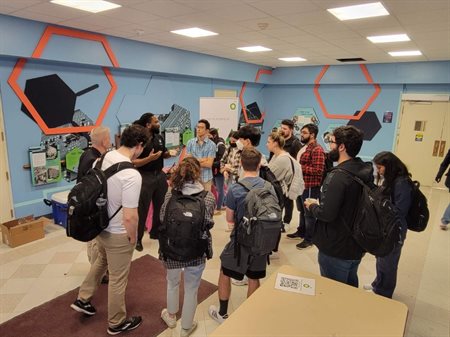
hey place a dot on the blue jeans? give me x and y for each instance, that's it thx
(446, 217)
(312, 192)
(386, 280)
(218, 183)
(192, 278)
(345, 271)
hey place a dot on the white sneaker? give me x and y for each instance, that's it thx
(186, 333)
(214, 313)
(170, 321)
(242, 282)
(367, 287)
(444, 226)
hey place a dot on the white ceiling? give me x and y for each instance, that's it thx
(290, 27)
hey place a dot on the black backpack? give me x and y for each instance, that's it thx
(183, 235)
(260, 227)
(376, 224)
(266, 174)
(418, 214)
(87, 205)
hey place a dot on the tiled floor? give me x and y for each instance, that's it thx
(39, 271)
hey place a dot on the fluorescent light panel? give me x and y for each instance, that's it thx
(359, 11)
(254, 49)
(93, 6)
(388, 38)
(193, 32)
(292, 59)
(405, 53)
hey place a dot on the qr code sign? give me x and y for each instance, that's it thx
(286, 282)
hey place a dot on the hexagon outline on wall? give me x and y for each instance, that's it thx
(371, 99)
(37, 53)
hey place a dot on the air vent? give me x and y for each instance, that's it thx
(354, 59)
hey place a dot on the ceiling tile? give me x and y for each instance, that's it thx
(163, 8)
(283, 7)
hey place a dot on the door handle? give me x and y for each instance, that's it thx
(442, 148)
(436, 148)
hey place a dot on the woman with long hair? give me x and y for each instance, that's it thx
(395, 181)
(185, 181)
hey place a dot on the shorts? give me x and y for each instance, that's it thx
(254, 267)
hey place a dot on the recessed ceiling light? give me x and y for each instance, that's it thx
(254, 49)
(359, 11)
(193, 32)
(93, 6)
(389, 38)
(405, 53)
(292, 59)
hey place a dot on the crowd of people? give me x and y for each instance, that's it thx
(298, 170)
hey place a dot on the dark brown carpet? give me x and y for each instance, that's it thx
(145, 296)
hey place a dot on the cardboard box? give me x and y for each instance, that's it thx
(23, 230)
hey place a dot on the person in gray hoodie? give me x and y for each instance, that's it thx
(186, 179)
(339, 254)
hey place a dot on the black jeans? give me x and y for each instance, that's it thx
(312, 192)
(153, 190)
(288, 209)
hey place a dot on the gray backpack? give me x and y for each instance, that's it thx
(260, 227)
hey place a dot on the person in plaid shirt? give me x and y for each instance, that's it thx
(312, 161)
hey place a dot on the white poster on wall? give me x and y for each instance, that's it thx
(221, 112)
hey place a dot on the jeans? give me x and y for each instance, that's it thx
(192, 278)
(386, 280)
(218, 182)
(288, 209)
(446, 217)
(312, 192)
(345, 271)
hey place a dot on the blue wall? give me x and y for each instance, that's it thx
(152, 78)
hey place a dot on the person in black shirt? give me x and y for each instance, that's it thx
(154, 182)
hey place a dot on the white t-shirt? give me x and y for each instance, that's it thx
(123, 189)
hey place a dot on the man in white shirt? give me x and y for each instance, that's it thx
(116, 243)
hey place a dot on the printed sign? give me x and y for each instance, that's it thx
(296, 284)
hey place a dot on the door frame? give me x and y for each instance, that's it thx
(8, 203)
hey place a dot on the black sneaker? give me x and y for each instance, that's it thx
(294, 236)
(85, 308)
(129, 324)
(139, 246)
(304, 244)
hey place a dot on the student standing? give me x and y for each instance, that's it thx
(185, 180)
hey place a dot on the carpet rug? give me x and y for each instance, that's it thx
(145, 296)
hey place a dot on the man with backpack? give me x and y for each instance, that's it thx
(116, 243)
(252, 205)
(101, 141)
(339, 253)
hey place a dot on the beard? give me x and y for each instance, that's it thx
(304, 140)
(154, 130)
(333, 155)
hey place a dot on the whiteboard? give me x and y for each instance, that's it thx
(221, 113)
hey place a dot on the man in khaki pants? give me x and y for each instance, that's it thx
(116, 243)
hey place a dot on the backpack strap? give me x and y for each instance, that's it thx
(350, 174)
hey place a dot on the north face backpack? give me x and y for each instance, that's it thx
(260, 226)
(418, 214)
(266, 174)
(87, 205)
(183, 234)
(376, 225)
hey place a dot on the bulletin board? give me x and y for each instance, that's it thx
(221, 112)
(45, 165)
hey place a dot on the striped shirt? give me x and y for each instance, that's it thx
(205, 150)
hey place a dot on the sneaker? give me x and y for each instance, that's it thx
(187, 332)
(303, 245)
(170, 321)
(83, 307)
(367, 287)
(242, 282)
(214, 313)
(105, 279)
(127, 325)
(139, 246)
(444, 226)
(294, 236)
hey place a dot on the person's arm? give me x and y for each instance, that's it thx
(210, 205)
(229, 213)
(443, 167)
(143, 161)
(331, 201)
(206, 162)
(230, 206)
(402, 197)
(130, 222)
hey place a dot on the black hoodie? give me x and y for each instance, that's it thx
(338, 199)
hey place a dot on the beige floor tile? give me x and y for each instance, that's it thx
(28, 271)
(17, 286)
(9, 302)
(64, 257)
